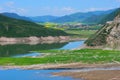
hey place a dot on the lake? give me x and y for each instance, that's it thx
(24, 50)
(17, 74)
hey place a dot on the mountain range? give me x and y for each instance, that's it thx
(88, 17)
(93, 17)
(47, 18)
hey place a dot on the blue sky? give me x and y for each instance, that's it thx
(55, 7)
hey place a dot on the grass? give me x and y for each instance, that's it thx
(67, 56)
(81, 33)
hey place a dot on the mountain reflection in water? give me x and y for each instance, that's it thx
(17, 49)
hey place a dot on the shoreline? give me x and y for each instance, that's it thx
(33, 39)
(36, 40)
(77, 70)
(61, 66)
(92, 75)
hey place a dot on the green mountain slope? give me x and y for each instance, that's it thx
(10, 27)
(110, 16)
(16, 16)
(87, 17)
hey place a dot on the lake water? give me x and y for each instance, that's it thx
(23, 50)
(17, 74)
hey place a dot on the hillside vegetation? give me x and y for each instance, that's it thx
(110, 16)
(10, 27)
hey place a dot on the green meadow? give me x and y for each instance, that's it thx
(90, 56)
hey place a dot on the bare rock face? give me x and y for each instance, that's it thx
(108, 35)
(113, 39)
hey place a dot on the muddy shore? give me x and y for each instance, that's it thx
(36, 40)
(77, 70)
(93, 75)
(33, 39)
(62, 66)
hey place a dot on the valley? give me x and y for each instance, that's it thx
(80, 45)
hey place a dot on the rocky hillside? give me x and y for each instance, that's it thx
(109, 34)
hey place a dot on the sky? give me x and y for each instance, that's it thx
(55, 7)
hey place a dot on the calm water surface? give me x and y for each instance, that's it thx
(30, 75)
(23, 50)
(73, 45)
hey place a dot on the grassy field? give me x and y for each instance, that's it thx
(67, 56)
(81, 33)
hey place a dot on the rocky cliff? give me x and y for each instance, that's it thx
(108, 35)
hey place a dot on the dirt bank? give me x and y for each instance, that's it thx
(76, 70)
(62, 66)
(34, 39)
(93, 75)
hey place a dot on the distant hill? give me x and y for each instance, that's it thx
(10, 27)
(110, 16)
(77, 17)
(87, 17)
(46, 18)
(16, 16)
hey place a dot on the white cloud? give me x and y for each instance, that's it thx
(10, 7)
(97, 9)
(57, 11)
(20, 11)
(68, 9)
(10, 4)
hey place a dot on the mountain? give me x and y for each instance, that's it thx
(10, 27)
(46, 18)
(94, 17)
(110, 17)
(108, 35)
(16, 16)
(87, 17)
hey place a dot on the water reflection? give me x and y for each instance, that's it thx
(24, 50)
(17, 49)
